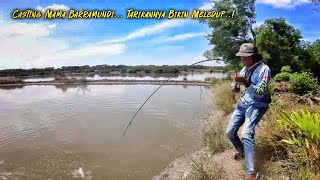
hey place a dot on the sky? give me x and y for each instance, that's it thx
(39, 43)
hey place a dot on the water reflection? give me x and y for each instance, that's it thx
(191, 76)
(79, 87)
(11, 87)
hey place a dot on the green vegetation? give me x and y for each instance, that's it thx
(228, 34)
(286, 69)
(205, 170)
(224, 97)
(102, 69)
(291, 130)
(215, 138)
(279, 43)
(10, 80)
(303, 83)
(69, 80)
(291, 135)
(284, 76)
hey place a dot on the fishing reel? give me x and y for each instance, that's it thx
(235, 86)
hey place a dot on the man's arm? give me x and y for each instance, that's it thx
(261, 87)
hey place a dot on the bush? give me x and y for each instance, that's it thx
(10, 80)
(303, 83)
(286, 69)
(284, 76)
(147, 70)
(123, 71)
(301, 136)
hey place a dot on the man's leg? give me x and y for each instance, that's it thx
(237, 119)
(252, 117)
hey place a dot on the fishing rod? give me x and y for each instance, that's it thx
(159, 88)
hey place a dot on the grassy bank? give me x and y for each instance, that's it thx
(287, 138)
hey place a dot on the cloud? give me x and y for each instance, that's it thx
(54, 7)
(286, 4)
(92, 50)
(28, 45)
(182, 37)
(24, 29)
(207, 6)
(148, 30)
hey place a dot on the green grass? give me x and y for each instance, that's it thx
(215, 138)
(292, 131)
(205, 170)
(224, 97)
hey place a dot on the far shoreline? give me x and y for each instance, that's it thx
(114, 82)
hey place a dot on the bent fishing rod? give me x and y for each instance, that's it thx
(160, 87)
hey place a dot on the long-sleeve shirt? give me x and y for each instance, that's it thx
(258, 92)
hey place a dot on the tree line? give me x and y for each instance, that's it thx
(105, 69)
(279, 43)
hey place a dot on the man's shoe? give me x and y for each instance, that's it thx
(253, 177)
(250, 177)
(238, 156)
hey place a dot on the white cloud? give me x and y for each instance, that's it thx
(156, 28)
(182, 37)
(24, 29)
(148, 30)
(286, 4)
(207, 6)
(89, 51)
(26, 45)
(54, 7)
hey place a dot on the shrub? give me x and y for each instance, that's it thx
(301, 136)
(303, 83)
(147, 70)
(284, 76)
(286, 69)
(10, 80)
(123, 70)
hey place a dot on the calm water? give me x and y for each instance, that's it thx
(52, 131)
(189, 76)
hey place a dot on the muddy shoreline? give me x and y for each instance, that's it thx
(114, 82)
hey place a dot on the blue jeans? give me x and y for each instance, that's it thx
(248, 116)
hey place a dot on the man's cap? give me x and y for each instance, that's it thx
(246, 50)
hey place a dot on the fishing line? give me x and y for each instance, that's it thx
(159, 88)
(200, 92)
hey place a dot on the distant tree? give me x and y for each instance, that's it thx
(229, 33)
(281, 45)
(313, 51)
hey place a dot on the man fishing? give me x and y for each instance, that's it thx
(255, 76)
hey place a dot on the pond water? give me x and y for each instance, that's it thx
(70, 132)
(176, 77)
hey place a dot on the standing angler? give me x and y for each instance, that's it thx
(255, 76)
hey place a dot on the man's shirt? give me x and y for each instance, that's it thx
(258, 92)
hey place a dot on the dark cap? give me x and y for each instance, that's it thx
(246, 50)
